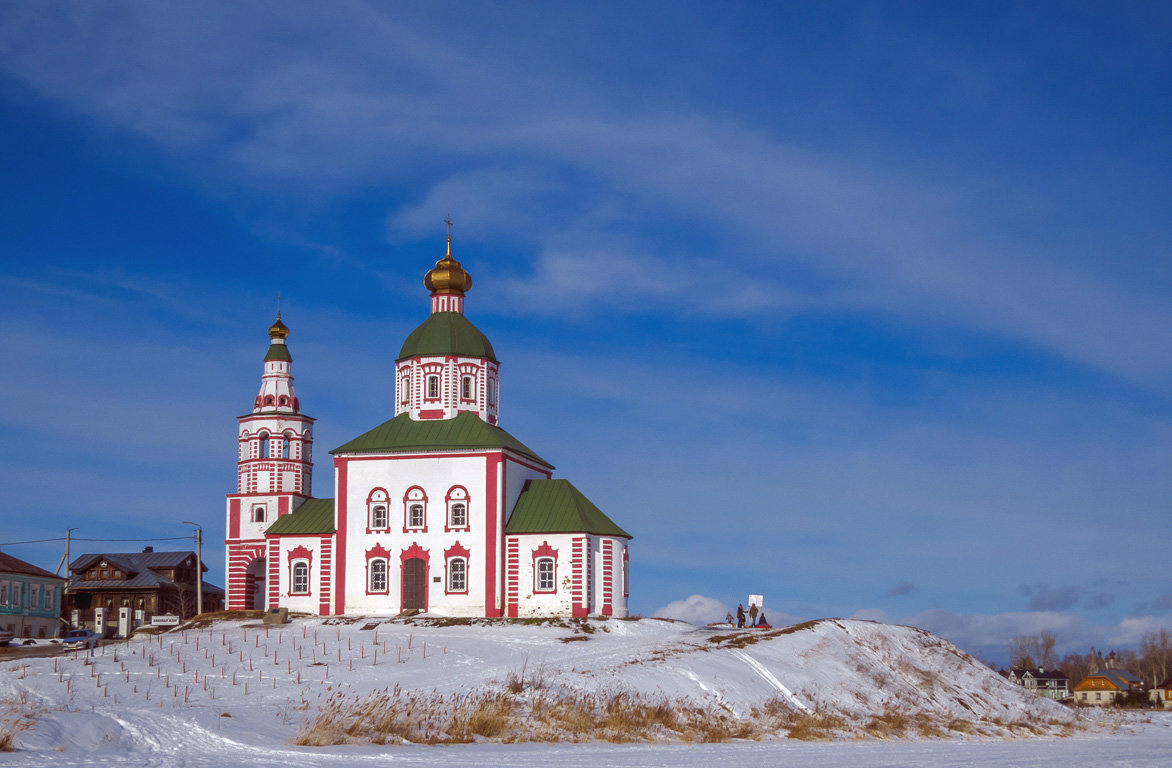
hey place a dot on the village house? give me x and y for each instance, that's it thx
(117, 592)
(1161, 695)
(1050, 683)
(1102, 688)
(30, 599)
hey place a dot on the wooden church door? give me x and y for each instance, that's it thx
(415, 584)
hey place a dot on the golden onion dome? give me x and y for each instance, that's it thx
(447, 276)
(278, 330)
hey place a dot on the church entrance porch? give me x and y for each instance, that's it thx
(254, 585)
(414, 584)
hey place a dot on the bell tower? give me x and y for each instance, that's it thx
(274, 469)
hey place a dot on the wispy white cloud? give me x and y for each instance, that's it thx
(379, 98)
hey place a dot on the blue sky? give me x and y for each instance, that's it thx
(861, 306)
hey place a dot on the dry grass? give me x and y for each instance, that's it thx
(16, 716)
(394, 717)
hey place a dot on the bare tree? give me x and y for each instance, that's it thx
(1045, 649)
(1022, 651)
(1076, 666)
(1156, 652)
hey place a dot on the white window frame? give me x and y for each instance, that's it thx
(412, 506)
(463, 574)
(461, 506)
(433, 386)
(293, 590)
(539, 584)
(377, 508)
(372, 572)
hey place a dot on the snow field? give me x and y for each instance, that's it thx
(234, 688)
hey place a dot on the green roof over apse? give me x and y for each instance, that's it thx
(556, 506)
(278, 352)
(466, 431)
(447, 333)
(313, 516)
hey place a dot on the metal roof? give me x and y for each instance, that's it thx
(132, 561)
(447, 333)
(402, 434)
(556, 506)
(14, 565)
(313, 516)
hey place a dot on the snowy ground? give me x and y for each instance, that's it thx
(234, 694)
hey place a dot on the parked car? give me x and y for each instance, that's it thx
(5, 637)
(77, 639)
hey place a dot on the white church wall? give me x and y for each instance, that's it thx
(531, 600)
(292, 550)
(435, 477)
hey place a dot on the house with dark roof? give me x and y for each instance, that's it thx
(117, 592)
(30, 599)
(437, 509)
(1102, 688)
(1051, 683)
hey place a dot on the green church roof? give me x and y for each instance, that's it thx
(466, 431)
(447, 333)
(556, 506)
(313, 516)
(278, 352)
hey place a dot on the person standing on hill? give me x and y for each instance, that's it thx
(740, 616)
(752, 614)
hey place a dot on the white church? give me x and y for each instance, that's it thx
(437, 510)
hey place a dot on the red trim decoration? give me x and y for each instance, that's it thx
(415, 551)
(545, 552)
(415, 500)
(378, 497)
(456, 582)
(377, 565)
(302, 555)
(457, 495)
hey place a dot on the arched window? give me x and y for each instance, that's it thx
(377, 576)
(415, 510)
(405, 389)
(285, 443)
(433, 386)
(377, 507)
(466, 388)
(300, 578)
(268, 399)
(258, 514)
(545, 575)
(492, 391)
(264, 445)
(457, 511)
(457, 575)
(284, 400)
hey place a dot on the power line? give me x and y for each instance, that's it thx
(77, 538)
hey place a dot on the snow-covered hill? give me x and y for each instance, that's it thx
(321, 681)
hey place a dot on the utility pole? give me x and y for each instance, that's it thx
(65, 557)
(198, 567)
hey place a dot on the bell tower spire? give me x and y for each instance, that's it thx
(274, 463)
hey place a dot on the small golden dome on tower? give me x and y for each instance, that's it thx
(447, 276)
(278, 330)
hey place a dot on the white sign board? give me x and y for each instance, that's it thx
(757, 600)
(165, 620)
